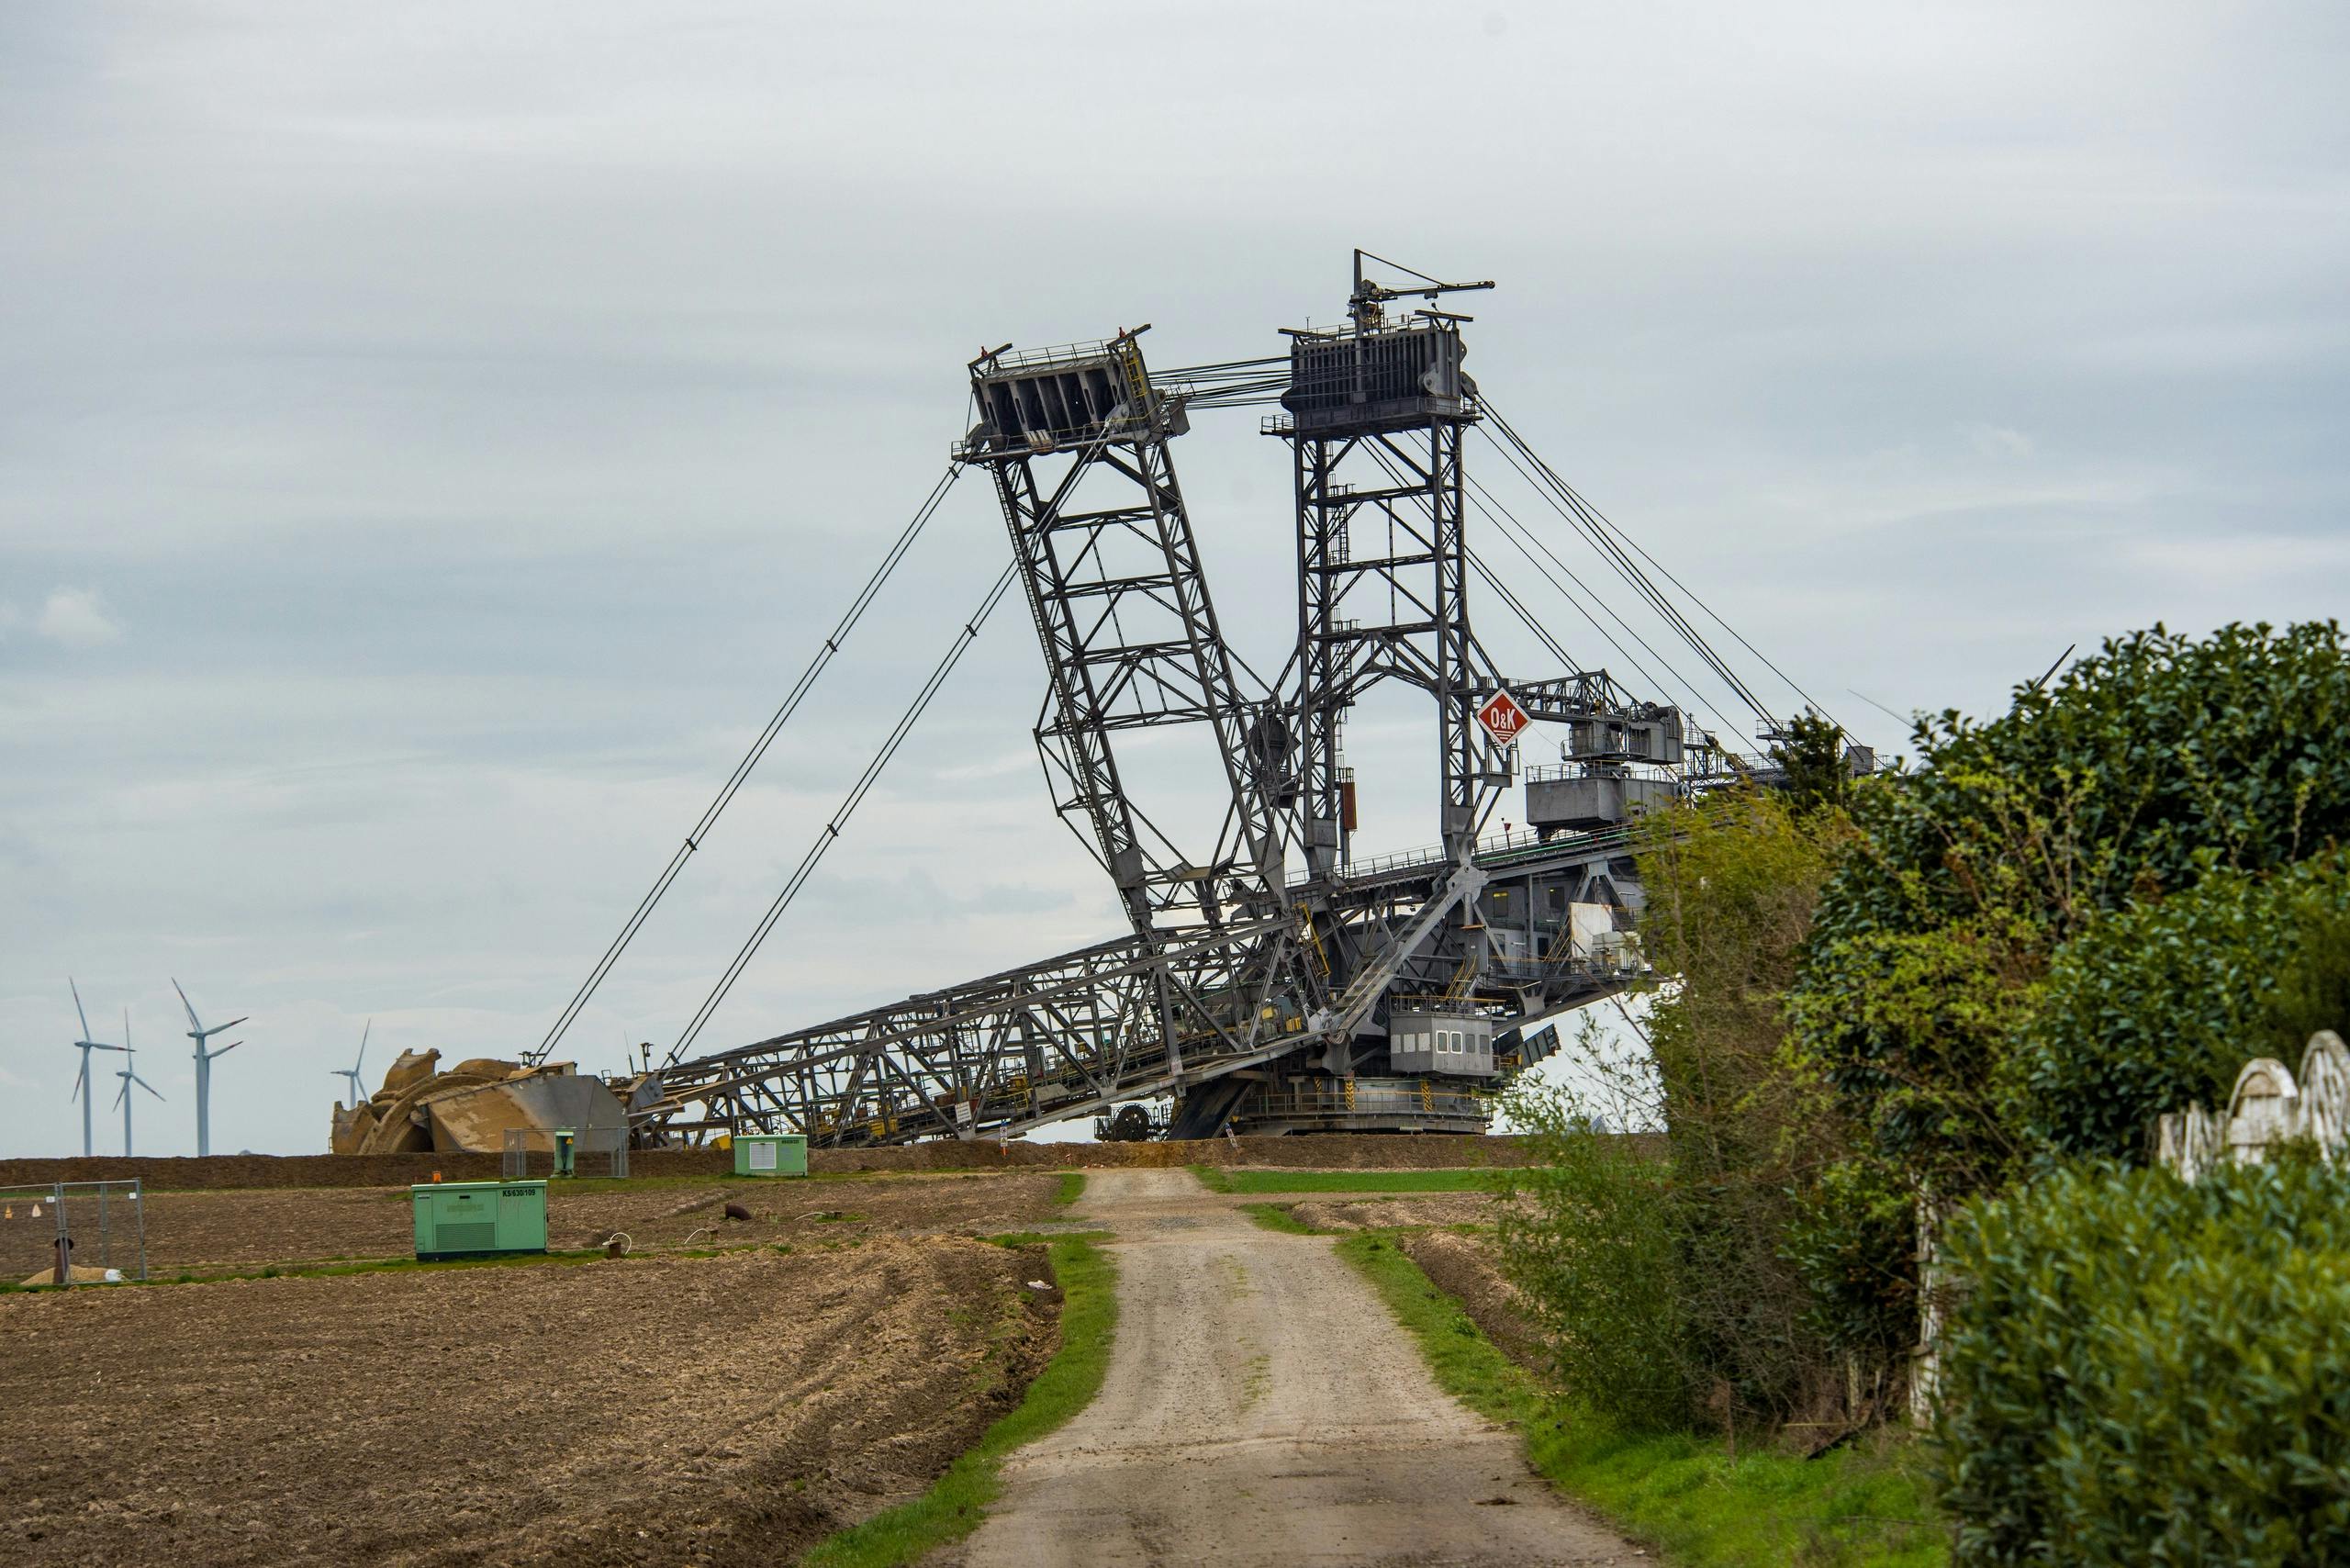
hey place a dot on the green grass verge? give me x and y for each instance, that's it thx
(953, 1508)
(1851, 1508)
(1045, 1237)
(1073, 1188)
(1280, 1217)
(1217, 1179)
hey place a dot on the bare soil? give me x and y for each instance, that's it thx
(1336, 1151)
(219, 1230)
(1468, 1269)
(709, 1410)
(1262, 1407)
(1376, 1213)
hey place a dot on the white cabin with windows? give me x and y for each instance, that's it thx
(1440, 1042)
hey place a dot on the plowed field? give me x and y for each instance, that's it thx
(707, 1410)
(201, 1231)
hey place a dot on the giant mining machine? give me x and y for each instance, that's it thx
(1271, 978)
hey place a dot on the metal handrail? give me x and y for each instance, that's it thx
(1509, 843)
(1543, 772)
(1058, 353)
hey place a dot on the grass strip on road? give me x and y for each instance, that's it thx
(1071, 1189)
(1219, 1178)
(953, 1508)
(1279, 1216)
(1847, 1510)
(1045, 1237)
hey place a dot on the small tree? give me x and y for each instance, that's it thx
(1810, 752)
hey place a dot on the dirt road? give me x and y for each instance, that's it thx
(1262, 1406)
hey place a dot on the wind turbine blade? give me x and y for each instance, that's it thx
(224, 1050)
(192, 1022)
(223, 1028)
(360, 1065)
(80, 1079)
(143, 1085)
(77, 1009)
(126, 1089)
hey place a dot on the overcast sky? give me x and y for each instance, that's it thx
(433, 436)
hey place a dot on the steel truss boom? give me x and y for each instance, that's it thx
(1083, 1030)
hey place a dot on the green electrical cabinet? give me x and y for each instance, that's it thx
(770, 1154)
(479, 1219)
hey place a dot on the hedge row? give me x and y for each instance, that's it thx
(2145, 1372)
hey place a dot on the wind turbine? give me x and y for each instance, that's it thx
(204, 1059)
(358, 1094)
(81, 1090)
(129, 1077)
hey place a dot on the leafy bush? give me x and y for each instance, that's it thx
(1851, 1239)
(2146, 1371)
(1730, 884)
(2157, 1007)
(2145, 766)
(1593, 1246)
(1698, 1246)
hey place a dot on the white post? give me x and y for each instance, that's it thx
(1925, 1366)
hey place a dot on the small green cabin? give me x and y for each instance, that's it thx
(770, 1154)
(479, 1219)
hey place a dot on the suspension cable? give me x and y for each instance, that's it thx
(832, 830)
(1639, 582)
(1491, 509)
(1230, 383)
(1615, 544)
(734, 781)
(1684, 691)
(1667, 571)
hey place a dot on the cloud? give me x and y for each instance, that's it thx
(76, 618)
(1998, 440)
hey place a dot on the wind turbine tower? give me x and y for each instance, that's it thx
(81, 1090)
(204, 1059)
(358, 1094)
(129, 1077)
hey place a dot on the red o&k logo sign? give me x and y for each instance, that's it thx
(1503, 718)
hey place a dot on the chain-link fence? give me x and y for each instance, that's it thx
(72, 1233)
(595, 1151)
